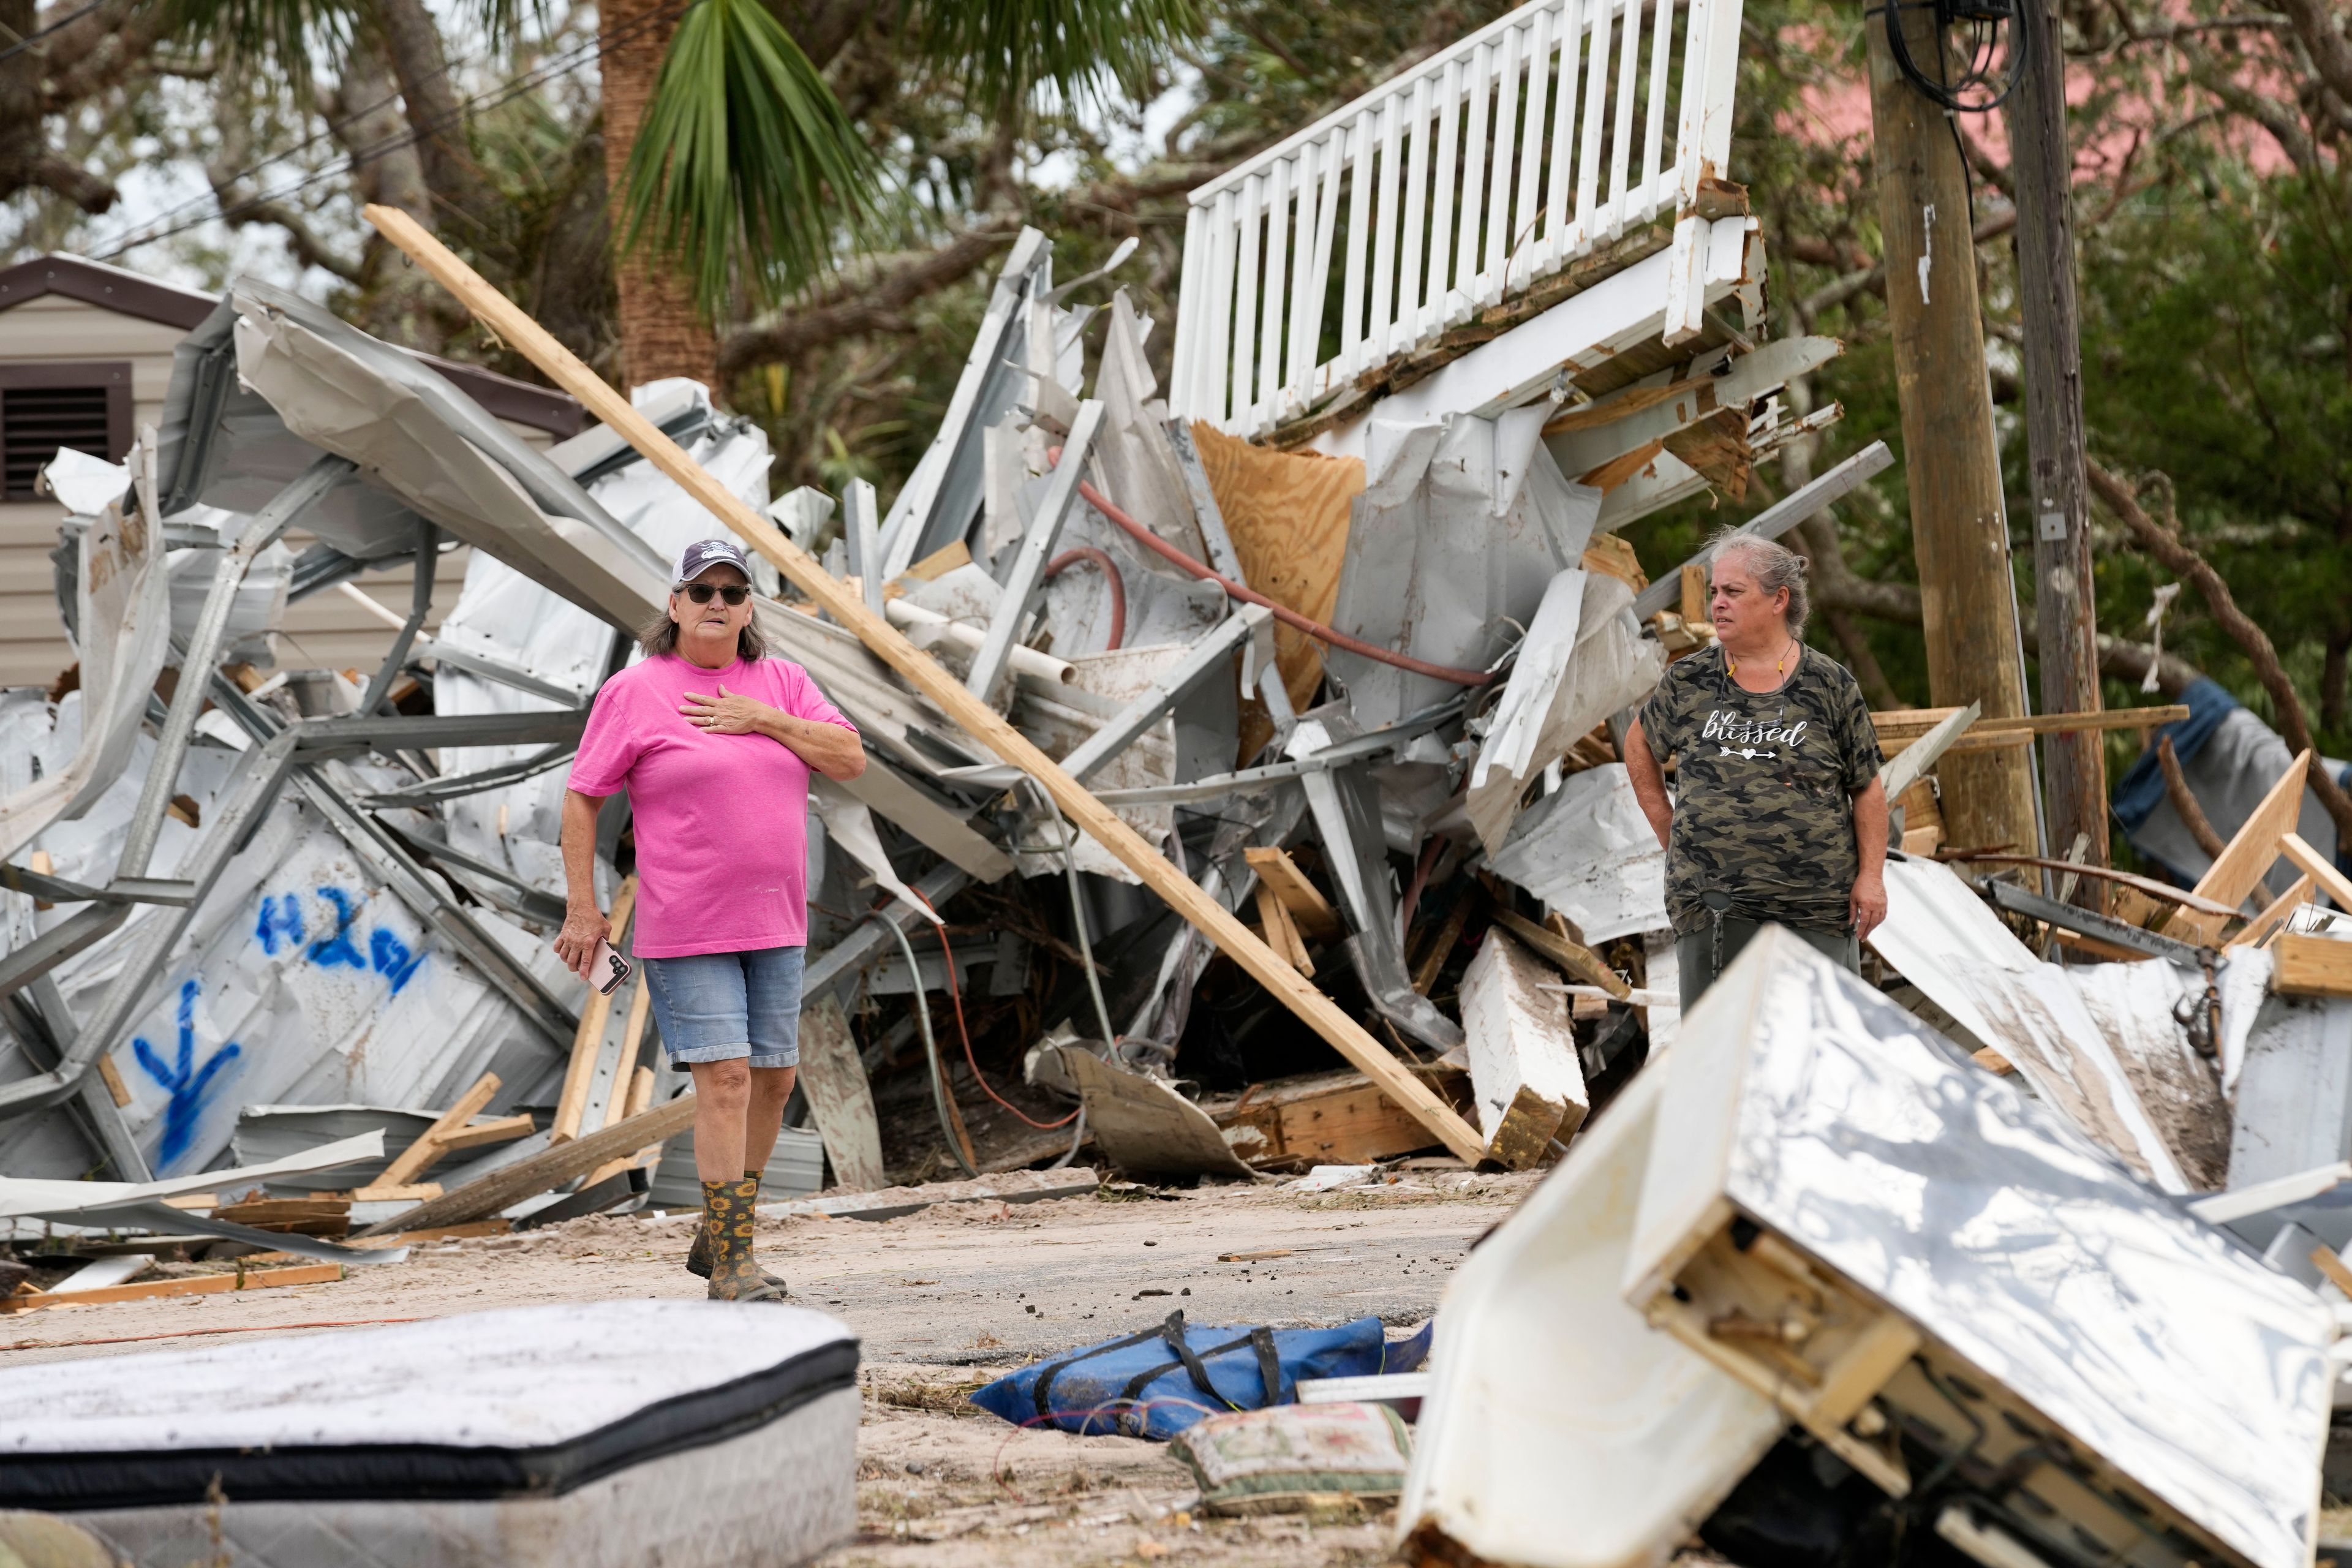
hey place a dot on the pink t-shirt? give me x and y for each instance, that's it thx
(722, 820)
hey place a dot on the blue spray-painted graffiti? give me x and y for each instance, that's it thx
(392, 957)
(188, 1084)
(281, 925)
(336, 947)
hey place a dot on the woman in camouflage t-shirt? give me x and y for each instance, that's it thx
(1777, 816)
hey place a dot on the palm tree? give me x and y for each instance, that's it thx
(737, 176)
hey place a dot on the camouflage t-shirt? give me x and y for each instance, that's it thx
(1763, 789)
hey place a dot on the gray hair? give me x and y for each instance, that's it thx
(1773, 565)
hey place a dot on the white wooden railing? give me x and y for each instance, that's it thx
(1465, 181)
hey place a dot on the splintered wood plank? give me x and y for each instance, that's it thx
(1281, 931)
(1694, 594)
(1449, 935)
(588, 1043)
(475, 1134)
(2271, 919)
(1524, 1074)
(1574, 957)
(326, 1214)
(932, 680)
(1338, 1120)
(433, 1143)
(2318, 868)
(551, 1167)
(640, 1098)
(1910, 723)
(200, 1284)
(840, 1099)
(2251, 852)
(387, 1193)
(2306, 965)
(941, 561)
(1306, 903)
(625, 1071)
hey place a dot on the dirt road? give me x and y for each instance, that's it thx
(942, 1300)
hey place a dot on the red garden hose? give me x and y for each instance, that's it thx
(1117, 584)
(1282, 613)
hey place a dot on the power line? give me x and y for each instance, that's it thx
(562, 65)
(331, 127)
(30, 40)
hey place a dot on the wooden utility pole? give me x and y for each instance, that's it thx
(1959, 529)
(2073, 767)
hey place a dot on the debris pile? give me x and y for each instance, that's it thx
(1247, 795)
(251, 906)
(1371, 705)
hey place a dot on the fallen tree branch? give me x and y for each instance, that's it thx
(2184, 800)
(870, 304)
(2183, 559)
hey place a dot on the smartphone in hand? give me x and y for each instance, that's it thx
(606, 969)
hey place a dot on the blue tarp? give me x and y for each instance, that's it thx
(1158, 1383)
(2224, 788)
(2141, 790)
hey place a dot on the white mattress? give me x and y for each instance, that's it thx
(775, 1497)
(555, 1407)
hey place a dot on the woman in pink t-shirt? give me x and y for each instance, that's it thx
(714, 741)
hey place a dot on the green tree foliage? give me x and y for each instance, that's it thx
(844, 178)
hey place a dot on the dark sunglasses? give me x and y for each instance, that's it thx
(733, 592)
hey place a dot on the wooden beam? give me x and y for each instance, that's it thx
(1906, 721)
(1898, 727)
(1281, 931)
(840, 1099)
(633, 1036)
(2307, 966)
(2318, 868)
(201, 1285)
(1695, 602)
(389, 1192)
(2325, 1258)
(2271, 919)
(1574, 957)
(640, 1099)
(1331, 1119)
(2250, 853)
(1309, 909)
(1449, 935)
(1951, 459)
(588, 1043)
(1524, 1074)
(515, 327)
(551, 1167)
(475, 1134)
(432, 1143)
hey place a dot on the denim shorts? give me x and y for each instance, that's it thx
(727, 1006)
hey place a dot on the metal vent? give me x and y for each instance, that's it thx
(34, 421)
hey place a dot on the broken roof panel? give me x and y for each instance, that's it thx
(2192, 1376)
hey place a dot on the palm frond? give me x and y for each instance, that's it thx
(280, 33)
(1008, 47)
(746, 166)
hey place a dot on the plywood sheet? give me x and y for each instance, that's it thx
(1288, 515)
(839, 1097)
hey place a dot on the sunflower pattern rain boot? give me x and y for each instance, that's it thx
(699, 1256)
(734, 1273)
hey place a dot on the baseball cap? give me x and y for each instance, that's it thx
(703, 553)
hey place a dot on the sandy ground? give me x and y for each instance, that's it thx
(942, 1300)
